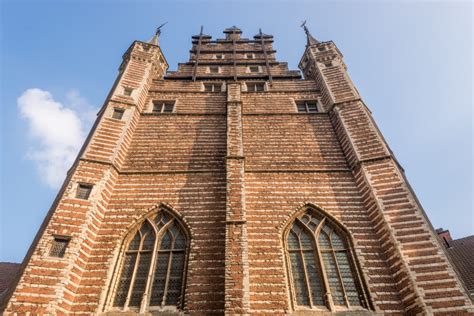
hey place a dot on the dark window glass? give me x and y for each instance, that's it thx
(317, 249)
(83, 191)
(58, 248)
(249, 56)
(127, 91)
(254, 69)
(301, 107)
(168, 108)
(322, 49)
(307, 106)
(214, 69)
(163, 106)
(166, 286)
(118, 114)
(255, 86)
(329, 64)
(219, 56)
(212, 87)
(304, 266)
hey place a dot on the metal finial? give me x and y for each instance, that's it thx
(155, 38)
(310, 39)
(158, 29)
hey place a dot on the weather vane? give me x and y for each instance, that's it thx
(303, 25)
(158, 29)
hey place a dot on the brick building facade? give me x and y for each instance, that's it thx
(234, 185)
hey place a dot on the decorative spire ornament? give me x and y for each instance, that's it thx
(156, 37)
(310, 39)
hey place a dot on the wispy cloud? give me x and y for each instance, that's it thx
(57, 131)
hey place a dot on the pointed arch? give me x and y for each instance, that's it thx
(151, 270)
(322, 267)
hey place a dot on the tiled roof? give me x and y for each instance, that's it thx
(8, 272)
(461, 252)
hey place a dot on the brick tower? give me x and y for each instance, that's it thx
(234, 185)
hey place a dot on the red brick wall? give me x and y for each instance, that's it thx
(237, 167)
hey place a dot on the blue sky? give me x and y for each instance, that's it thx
(411, 62)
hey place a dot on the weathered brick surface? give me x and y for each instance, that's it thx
(236, 167)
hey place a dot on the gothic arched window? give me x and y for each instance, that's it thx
(152, 271)
(322, 265)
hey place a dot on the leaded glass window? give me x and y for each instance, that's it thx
(58, 248)
(153, 266)
(322, 265)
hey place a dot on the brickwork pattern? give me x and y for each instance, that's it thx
(237, 167)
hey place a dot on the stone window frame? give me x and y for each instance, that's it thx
(209, 71)
(119, 261)
(247, 83)
(58, 238)
(83, 185)
(249, 69)
(116, 110)
(127, 91)
(319, 108)
(163, 104)
(214, 84)
(361, 281)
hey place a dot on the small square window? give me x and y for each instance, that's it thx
(58, 248)
(249, 56)
(301, 107)
(212, 87)
(254, 69)
(329, 64)
(168, 108)
(127, 91)
(214, 69)
(219, 56)
(83, 191)
(118, 113)
(255, 86)
(307, 106)
(163, 106)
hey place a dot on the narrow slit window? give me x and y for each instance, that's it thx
(163, 106)
(118, 113)
(59, 246)
(255, 86)
(83, 191)
(307, 106)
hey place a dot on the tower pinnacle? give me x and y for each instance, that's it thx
(310, 39)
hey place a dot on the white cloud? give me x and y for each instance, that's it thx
(57, 131)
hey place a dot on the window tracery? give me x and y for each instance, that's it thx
(152, 271)
(322, 266)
